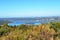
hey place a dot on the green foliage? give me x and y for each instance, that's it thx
(3, 31)
(55, 26)
(30, 32)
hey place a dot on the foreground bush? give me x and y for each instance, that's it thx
(49, 31)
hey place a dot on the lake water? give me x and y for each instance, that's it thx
(23, 22)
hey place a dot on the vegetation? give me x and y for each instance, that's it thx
(50, 31)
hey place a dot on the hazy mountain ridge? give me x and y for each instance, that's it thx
(29, 19)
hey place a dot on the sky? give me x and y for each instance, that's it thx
(29, 8)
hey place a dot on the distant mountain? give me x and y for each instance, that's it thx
(31, 19)
(4, 21)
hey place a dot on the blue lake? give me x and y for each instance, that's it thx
(23, 22)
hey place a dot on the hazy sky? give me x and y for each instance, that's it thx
(29, 8)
